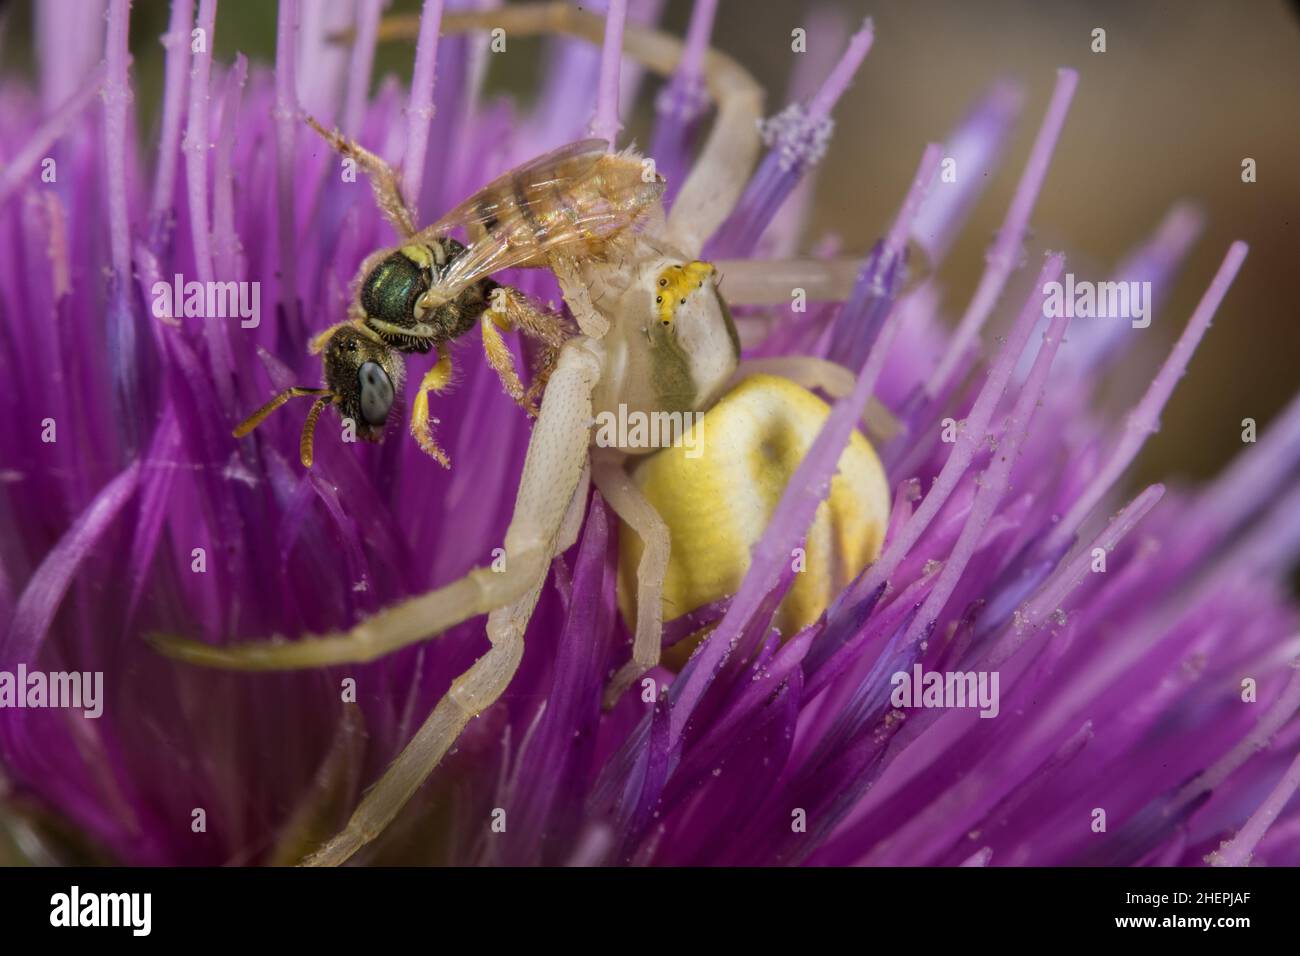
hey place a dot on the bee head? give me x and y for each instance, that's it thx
(365, 375)
(362, 376)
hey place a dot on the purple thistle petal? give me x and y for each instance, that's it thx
(19, 168)
(1144, 419)
(177, 43)
(286, 129)
(798, 138)
(361, 65)
(226, 246)
(419, 112)
(993, 483)
(1007, 252)
(976, 146)
(605, 122)
(683, 101)
(41, 597)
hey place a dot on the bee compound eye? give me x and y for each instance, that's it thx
(376, 390)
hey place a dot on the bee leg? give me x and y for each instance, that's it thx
(528, 317)
(541, 374)
(555, 463)
(617, 487)
(435, 380)
(511, 309)
(383, 179)
(500, 357)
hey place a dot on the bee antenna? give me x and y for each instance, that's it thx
(259, 416)
(309, 427)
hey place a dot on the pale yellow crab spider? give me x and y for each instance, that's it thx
(640, 350)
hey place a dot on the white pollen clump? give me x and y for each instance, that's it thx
(801, 139)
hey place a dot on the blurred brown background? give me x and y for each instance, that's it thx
(1185, 91)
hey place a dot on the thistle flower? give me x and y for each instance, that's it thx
(1144, 644)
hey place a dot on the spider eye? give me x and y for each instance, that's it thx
(659, 300)
(663, 283)
(376, 393)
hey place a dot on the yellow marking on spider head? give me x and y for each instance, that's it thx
(717, 494)
(677, 282)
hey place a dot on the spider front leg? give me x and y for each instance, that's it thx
(548, 515)
(774, 281)
(470, 694)
(617, 487)
(383, 179)
(556, 459)
(435, 380)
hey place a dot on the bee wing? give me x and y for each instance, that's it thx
(569, 201)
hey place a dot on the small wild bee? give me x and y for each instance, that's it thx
(573, 202)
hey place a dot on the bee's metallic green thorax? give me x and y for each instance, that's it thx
(391, 296)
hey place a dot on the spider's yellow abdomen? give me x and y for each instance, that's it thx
(717, 490)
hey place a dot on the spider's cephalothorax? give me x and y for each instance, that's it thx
(393, 290)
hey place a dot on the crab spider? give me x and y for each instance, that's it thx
(654, 335)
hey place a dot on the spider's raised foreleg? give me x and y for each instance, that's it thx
(470, 694)
(780, 281)
(556, 459)
(383, 178)
(617, 487)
